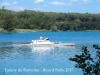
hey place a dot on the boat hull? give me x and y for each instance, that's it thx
(40, 45)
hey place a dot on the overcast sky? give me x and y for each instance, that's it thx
(81, 6)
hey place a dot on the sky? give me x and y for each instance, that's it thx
(79, 6)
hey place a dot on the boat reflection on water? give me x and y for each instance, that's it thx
(41, 51)
(42, 48)
(50, 51)
(48, 48)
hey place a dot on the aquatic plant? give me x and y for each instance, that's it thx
(89, 65)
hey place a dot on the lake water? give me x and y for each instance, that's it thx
(43, 60)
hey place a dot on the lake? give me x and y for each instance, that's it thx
(24, 60)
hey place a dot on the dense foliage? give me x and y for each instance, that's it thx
(89, 65)
(29, 19)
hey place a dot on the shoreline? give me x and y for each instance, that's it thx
(23, 30)
(39, 30)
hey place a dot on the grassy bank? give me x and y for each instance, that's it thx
(3, 31)
(30, 30)
(22, 30)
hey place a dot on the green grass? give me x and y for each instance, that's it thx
(23, 30)
(30, 30)
(3, 31)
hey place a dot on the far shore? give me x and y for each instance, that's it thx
(23, 30)
(33, 30)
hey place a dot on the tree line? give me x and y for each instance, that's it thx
(30, 19)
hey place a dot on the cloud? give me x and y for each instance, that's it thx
(18, 8)
(38, 1)
(8, 4)
(87, 1)
(45, 5)
(57, 3)
(38, 9)
(69, 4)
(5, 4)
(12, 6)
(74, 0)
(15, 3)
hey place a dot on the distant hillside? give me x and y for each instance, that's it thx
(29, 19)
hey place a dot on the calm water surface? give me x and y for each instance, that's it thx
(43, 60)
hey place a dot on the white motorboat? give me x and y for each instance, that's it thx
(46, 42)
(41, 42)
(49, 43)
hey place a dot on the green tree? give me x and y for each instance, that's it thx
(54, 28)
(30, 19)
(89, 65)
(8, 23)
(2, 11)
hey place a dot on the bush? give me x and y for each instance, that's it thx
(88, 65)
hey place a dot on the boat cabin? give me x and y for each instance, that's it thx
(41, 42)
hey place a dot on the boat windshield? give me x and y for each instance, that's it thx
(43, 38)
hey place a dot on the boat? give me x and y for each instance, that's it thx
(49, 43)
(41, 42)
(46, 42)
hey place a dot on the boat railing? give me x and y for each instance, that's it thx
(57, 42)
